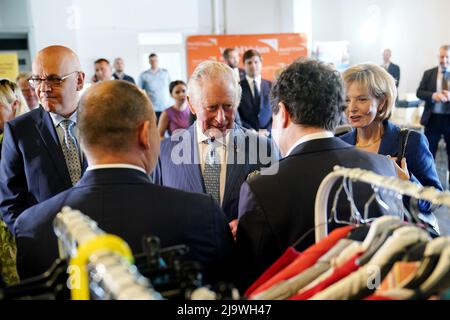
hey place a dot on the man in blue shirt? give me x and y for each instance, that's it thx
(155, 82)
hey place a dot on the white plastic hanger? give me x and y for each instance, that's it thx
(377, 227)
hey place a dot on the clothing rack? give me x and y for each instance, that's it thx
(392, 184)
(100, 264)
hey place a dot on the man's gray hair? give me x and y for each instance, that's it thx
(24, 75)
(212, 71)
(445, 47)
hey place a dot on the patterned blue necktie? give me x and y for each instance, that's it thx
(211, 174)
(70, 151)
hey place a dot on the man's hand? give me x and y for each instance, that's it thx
(441, 96)
(233, 226)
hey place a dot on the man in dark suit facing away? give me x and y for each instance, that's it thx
(276, 210)
(40, 154)
(391, 68)
(120, 139)
(254, 109)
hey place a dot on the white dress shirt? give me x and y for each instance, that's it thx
(309, 137)
(115, 166)
(221, 149)
(250, 83)
(440, 75)
(57, 119)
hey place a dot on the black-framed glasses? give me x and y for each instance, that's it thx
(52, 80)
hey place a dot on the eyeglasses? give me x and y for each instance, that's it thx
(52, 81)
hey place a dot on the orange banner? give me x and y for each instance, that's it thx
(277, 50)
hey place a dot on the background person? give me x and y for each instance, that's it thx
(177, 116)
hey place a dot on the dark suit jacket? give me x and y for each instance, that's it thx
(124, 202)
(253, 116)
(425, 92)
(33, 167)
(394, 71)
(125, 78)
(276, 210)
(241, 74)
(243, 158)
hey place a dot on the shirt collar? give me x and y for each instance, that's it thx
(56, 118)
(441, 70)
(201, 137)
(115, 166)
(310, 137)
(250, 79)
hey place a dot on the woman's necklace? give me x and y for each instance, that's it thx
(371, 143)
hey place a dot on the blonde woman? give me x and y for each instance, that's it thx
(370, 97)
(12, 103)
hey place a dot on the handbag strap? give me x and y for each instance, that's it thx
(402, 142)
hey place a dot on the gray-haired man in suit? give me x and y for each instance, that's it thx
(215, 155)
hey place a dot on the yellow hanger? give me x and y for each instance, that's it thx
(80, 291)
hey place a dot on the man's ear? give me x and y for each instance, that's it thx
(15, 106)
(80, 80)
(190, 105)
(284, 114)
(143, 134)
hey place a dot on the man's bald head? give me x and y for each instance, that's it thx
(61, 63)
(63, 56)
(111, 117)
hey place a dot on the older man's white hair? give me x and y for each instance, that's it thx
(212, 71)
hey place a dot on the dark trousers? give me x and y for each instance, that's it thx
(437, 127)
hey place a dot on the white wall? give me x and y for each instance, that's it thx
(53, 22)
(415, 35)
(14, 16)
(253, 16)
(109, 28)
(413, 29)
(326, 20)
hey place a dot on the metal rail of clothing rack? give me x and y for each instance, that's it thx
(393, 184)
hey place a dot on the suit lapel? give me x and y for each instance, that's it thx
(236, 152)
(265, 112)
(434, 77)
(389, 142)
(50, 139)
(247, 93)
(193, 170)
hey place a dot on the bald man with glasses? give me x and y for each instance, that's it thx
(41, 155)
